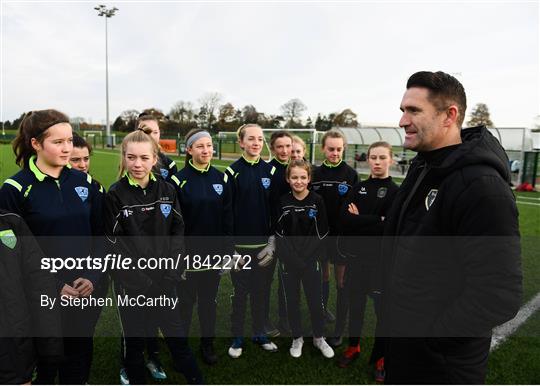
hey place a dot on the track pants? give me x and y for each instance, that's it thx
(78, 329)
(282, 308)
(135, 320)
(358, 279)
(200, 287)
(342, 307)
(248, 282)
(310, 278)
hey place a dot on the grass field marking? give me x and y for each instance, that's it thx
(528, 198)
(528, 203)
(503, 331)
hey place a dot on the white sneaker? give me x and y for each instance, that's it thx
(270, 346)
(321, 344)
(296, 347)
(235, 352)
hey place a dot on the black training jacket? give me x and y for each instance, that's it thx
(300, 229)
(360, 234)
(452, 260)
(333, 183)
(22, 283)
(141, 224)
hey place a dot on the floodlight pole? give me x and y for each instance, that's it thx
(107, 13)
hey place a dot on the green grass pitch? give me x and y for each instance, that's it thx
(515, 361)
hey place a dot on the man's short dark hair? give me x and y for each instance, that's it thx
(444, 90)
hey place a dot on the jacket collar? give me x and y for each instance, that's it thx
(40, 176)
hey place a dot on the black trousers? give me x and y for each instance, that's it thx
(310, 278)
(358, 279)
(78, 328)
(248, 282)
(269, 278)
(135, 321)
(200, 287)
(436, 360)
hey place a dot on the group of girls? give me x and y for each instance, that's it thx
(255, 211)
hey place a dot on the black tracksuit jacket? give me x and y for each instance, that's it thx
(22, 283)
(360, 235)
(452, 268)
(300, 230)
(144, 223)
(333, 183)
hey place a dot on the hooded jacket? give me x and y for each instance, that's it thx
(452, 257)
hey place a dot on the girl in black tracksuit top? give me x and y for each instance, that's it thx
(333, 180)
(206, 203)
(143, 220)
(300, 229)
(62, 208)
(280, 145)
(250, 179)
(362, 226)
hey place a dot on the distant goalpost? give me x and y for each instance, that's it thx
(312, 135)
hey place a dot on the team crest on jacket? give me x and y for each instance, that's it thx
(382, 192)
(342, 189)
(8, 238)
(430, 198)
(164, 173)
(165, 209)
(312, 213)
(265, 182)
(82, 192)
(218, 188)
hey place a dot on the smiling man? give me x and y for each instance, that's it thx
(452, 267)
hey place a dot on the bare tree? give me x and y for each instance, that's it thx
(209, 103)
(182, 112)
(292, 111)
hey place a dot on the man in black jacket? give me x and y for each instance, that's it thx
(452, 258)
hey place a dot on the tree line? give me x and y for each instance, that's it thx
(212, 114)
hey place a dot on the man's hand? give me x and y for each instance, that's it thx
(266, 255)
(353, 209)
(83, 286)
(69, 291)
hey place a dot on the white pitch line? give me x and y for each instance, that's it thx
(528, 203)
(528, 198)
(503, 331)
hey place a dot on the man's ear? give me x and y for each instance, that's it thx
(452, 114)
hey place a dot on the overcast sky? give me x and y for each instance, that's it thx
(331, 55)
